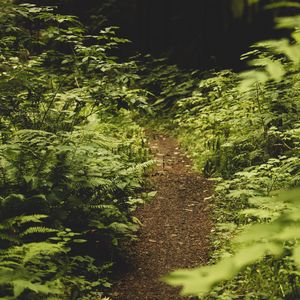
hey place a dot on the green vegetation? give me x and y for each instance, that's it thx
(243, 129)
(73, 157)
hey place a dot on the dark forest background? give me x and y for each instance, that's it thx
(193, 33)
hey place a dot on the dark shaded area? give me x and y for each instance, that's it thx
(192, 33)
(196, 33)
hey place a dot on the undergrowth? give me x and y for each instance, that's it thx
(72, 160)
(242, 130)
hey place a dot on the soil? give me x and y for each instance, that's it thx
(176, 226)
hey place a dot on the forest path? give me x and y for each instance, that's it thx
(176, 226)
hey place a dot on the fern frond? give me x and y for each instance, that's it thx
(102, 206)
(139, 168)
(36, 250)
(31, 218)
(11, 254)
(9, 238)
(9, 265)
(33, 230)
(20, 220)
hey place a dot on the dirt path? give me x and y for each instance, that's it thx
(176, 226)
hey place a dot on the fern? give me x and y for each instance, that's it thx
(32, 230)
(244, 128)
(20, 268)
(71, 155)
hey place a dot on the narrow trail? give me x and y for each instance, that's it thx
(176, 226)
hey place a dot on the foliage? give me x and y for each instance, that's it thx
(244, 128)
(71, 157)
(166, 83)
(255, 242)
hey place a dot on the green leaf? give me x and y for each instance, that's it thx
(275, 70)
(283, 4)
(20, 285)
(296, 255)
(201, 280)
(79, 241)
(249, 80)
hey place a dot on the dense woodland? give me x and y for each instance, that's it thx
(77, 99)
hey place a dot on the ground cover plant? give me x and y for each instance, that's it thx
(71, 157)
(243, 129)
